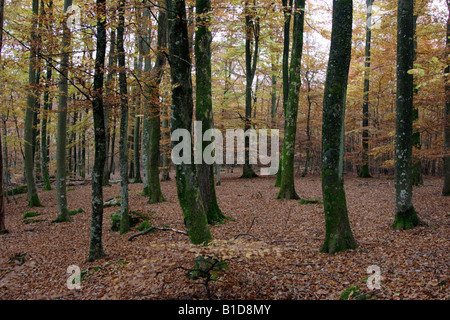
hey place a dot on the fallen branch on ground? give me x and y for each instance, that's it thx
(155, 228)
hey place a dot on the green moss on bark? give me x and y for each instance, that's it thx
(406, 220)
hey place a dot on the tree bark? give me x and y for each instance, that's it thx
(446, 188)
(286, 49)
(405, 214)
(2, 202)
(338, 235)
(154, 119)
(203, 108)
(252, 29)
(109, 105)
(32, 196)
(123, 147)
(364, 173)
(61, 190)
(189, 195)
(96, 245)
(287, 186)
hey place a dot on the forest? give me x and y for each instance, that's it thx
(224, 150)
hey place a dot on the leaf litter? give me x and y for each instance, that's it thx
(271, 247)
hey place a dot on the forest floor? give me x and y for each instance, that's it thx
(271, 246)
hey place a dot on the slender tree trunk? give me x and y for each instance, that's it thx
(189, 195)
(252, 30)
(446, 188)
(144, 36)
(287, 186)
(124, 214)
(308, 129)
(155, 193)
(166, 145)
(109, 104)
(61, 190)
(2, 202)
(96, 245)
(137, 145)
(417, 177)
(44, 138)
(204, 112)
(32, 196)
(405, 214)
(364, 173)
(286, 49)
(338, 235)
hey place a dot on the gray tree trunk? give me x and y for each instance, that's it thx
(61, 190)
(32, 196)
(446, 188)
(189, 195)
(204, 112)
(287, 186)
(123, 147)
(338, 234)
(96, 245)
(405, 214)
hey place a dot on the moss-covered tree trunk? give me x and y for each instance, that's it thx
(61, 172)
(405, 215)
(338, 236)
(96, 245)
(287, 186)
(123, 146)
(189, 195)
(251, 36)
(204, 112)
(446, 188)
(2, 201)
(364, 173)
(154, 118)
(32, 196)
(285, 71)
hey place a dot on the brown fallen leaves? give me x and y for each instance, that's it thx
(271, 246)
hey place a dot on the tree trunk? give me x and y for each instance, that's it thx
(338, 236)
(189, 195)
(144, 35)
(44, 139)
(2, 202)
(287, 186)
(286, 48)
(96, 246)
(32, 196)
(364, 173)
(109, 104)
(446, 188)
(417, 177)
(61, 190)
(155, 193)
(405, 214)
(123, 148)
(308, 124)
(252, 30)
(203, 108)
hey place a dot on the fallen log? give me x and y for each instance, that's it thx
(155, 228)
